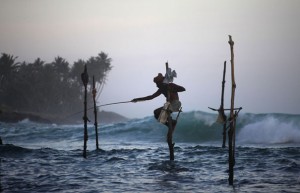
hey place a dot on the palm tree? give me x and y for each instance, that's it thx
(8, 67)
(61, 67)
(99, 66)
(76, 71)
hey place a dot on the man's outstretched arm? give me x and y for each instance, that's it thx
(150, 97)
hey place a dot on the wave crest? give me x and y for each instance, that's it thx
(269, 131)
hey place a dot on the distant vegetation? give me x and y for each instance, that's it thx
(52, 88)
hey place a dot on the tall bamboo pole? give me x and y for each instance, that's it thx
(85, 80)
(170, 128)
(231, 131)
(1, 174)
(221, 110)
(95, 112)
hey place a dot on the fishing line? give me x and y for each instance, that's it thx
(99, 106)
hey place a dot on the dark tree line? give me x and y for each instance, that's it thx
(48, 88)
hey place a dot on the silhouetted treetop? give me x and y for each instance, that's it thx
(49, 88)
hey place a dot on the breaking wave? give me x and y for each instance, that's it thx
(192, 127)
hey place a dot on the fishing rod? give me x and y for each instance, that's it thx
(114, 103)
(99, 106)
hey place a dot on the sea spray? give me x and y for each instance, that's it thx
(269, 130)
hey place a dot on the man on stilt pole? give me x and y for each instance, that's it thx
(163, 114)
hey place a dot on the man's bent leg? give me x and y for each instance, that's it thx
(157, 112)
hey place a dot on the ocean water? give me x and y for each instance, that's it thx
(134, 156)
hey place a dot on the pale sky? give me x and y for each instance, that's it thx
(192, 35)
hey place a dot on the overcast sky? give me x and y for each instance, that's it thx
(192, 35)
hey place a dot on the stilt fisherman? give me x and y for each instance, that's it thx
(164, 86)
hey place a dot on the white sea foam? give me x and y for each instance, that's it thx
(269, 131)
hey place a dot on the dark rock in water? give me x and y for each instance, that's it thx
(104, 117)
(12, 117)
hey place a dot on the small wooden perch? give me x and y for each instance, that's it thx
(240, 108)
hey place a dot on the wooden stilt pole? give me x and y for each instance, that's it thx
(1, 174)
(170, 128)
(95, 112)
(231, 131)
(85, 80)
(222, 117)
(170, 138)
(221, 110)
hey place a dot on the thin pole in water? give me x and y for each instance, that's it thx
(85, 80)
(95, 113)
(231, 131)
(222, 107)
